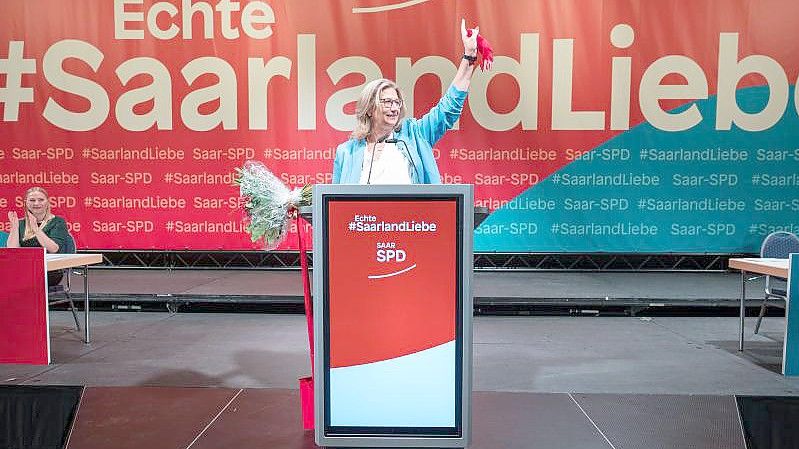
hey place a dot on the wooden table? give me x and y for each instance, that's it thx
(65, 261)
(771, 267)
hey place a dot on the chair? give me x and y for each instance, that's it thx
(65, 284)
(776, 245)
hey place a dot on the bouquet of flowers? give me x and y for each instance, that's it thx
(269, 203)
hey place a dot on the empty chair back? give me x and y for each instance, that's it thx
(779, 245)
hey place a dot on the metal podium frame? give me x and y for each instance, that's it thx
(464, 194)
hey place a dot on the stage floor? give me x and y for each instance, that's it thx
(543, 354)
(198, 418)
(156, 380)
(179, 380)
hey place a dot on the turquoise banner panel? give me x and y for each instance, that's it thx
(646, 190)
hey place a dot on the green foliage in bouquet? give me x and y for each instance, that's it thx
(268, 202)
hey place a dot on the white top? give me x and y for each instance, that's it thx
(391, 167)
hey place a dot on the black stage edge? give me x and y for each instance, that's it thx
(37, 417)
(132, 302)
(770, 422)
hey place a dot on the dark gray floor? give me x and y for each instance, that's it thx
(169, 417)
(669, 355)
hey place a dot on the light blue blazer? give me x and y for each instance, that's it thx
(420, 136)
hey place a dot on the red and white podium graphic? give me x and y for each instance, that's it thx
(392, 314)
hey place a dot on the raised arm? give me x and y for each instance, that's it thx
(446, 112)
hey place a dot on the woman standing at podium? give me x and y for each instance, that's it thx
(39, 228)
(388, 148)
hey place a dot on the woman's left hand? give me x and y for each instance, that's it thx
(33, 224)
(469, 37)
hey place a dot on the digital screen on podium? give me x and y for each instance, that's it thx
(393, 341)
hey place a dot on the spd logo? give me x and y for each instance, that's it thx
(388, 6)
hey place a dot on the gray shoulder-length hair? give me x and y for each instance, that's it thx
(367, 104)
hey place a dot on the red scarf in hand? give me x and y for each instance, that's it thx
(484, 49)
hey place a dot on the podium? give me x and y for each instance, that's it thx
(392, 315)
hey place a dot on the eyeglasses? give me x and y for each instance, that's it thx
(389, 102)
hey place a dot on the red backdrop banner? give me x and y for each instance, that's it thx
(134, 113)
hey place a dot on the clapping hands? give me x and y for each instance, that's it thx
(13, 221)
(32, 220)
